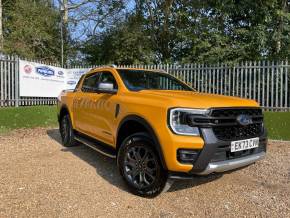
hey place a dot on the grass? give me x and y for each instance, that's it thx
(27, 117)
(277, 123)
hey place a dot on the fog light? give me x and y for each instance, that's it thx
(187, 155)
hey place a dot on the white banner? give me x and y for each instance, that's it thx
(39, 80)
(73, 76)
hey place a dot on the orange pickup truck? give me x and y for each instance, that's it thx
(158, 128)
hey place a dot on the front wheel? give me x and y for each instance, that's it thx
(66, 131)
(141, 167)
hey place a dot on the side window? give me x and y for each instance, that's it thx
(90, 82)
(107, 77)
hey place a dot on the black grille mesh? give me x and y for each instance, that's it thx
(235, 112)
(236, 132)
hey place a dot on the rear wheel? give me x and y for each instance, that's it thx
(66, 131)
(140, 166)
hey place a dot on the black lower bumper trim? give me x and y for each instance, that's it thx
(212, 147)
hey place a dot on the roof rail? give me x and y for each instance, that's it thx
(161, 70)
(103, 66)
(110, 66)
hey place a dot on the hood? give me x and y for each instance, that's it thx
(196, 99)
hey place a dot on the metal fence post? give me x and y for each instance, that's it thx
(265, 81)
(16, 81)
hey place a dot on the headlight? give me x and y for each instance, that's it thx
(178, 120)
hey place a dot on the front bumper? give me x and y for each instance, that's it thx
(227, 165)
(216, 156)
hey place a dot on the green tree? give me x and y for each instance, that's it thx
(31, 29)
(1, 27)
(208, 31)
(126, 43)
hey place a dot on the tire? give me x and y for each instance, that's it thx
(140, 166)
(67, 132)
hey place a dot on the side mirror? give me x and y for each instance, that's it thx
(107, 88)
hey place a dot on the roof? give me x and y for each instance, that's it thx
(128, 68)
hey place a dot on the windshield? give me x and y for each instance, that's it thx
(136, 80)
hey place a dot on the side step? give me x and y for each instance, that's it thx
(96, 145)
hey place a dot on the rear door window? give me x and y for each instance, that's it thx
(90, 82)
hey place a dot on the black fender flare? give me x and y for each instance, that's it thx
(150, 130)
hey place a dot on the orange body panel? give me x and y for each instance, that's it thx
(94, 115)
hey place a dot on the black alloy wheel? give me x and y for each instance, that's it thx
(140, 166)
(66, 131)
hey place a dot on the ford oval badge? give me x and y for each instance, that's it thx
(45, 71)
(244, 120)
(71, 82)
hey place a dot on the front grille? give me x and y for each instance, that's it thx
(238, 132)
(225, 126)
(229, 129)
(234, 112)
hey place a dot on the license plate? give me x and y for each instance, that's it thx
(244, 144)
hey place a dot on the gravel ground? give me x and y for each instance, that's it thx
(40, 178)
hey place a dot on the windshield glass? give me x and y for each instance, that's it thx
(136, 80)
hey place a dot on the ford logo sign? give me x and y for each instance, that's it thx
(60, 73)
(45, 71)
(244, 120)
(71, 82)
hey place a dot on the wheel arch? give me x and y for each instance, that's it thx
(140, 124)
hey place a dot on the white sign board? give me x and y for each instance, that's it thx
(39, 80)
(73, 76)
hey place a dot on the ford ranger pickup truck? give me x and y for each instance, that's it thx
(158, 128)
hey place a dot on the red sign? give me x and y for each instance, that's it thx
(27, 69)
